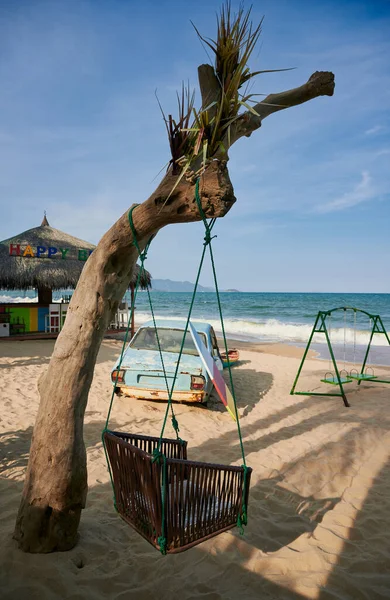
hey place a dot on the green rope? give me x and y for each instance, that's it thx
(157, 454)
(242, 518)
(162, 540)
(143, 256)
(130, 315)
(207, 241)
(169, 404)
(169, 392)
(182, 346)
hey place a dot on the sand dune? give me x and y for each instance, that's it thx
(319, 502)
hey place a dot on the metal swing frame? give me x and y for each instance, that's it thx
(320, 327)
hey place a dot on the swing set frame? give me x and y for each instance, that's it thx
(320, 327)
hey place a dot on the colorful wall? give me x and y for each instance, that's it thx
(31, 316)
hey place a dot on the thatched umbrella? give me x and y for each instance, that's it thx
(46, 259)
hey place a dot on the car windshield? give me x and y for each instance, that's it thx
(170, 340)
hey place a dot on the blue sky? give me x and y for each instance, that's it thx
(81, 135)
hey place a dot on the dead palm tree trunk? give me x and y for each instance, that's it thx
(55, 487)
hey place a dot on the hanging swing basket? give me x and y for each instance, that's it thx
(172, 502)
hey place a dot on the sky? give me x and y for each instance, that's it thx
(82, 137)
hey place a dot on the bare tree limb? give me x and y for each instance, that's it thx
(55, 487)
(210, 88)
(321, 83)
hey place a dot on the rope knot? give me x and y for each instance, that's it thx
(208, 237)
(175, 424)
(244, 516)
(162, 542)
(157, 455)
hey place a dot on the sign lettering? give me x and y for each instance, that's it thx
(83, 254)
(29, 251)
(40, 250)
(14, 249)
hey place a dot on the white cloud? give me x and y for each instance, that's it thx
(362, 192)
(383, 152)
(374, 130)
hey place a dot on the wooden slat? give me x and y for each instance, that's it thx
(203, 499)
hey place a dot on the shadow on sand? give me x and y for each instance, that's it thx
(260, 381)
(109, 352)
(277, 515)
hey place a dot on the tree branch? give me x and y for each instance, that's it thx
(210, 88)
(56, 481)
(321, 83)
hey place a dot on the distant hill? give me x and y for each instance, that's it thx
(167, 285)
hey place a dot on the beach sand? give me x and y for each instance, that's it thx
(319, 509)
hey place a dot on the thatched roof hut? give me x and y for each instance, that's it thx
(46, 259)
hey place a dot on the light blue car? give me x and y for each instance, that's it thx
(141, 374)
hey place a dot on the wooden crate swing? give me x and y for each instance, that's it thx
(174, 503)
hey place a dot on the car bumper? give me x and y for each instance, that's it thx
(152, 394)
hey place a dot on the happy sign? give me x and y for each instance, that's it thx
(43, 252)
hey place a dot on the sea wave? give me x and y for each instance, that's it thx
(4, 299)
(17, 299)
(274, 330)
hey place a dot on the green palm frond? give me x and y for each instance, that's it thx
(179, 134)
(235, 42)
(195, 136)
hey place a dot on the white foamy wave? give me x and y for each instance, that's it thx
(360, 337)
(273, 330)
(277, 331)
(18, 299)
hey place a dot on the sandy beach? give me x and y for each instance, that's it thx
(319, 500)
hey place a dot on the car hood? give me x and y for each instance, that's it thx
(149, 360)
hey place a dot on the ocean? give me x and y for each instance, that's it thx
(268, 317)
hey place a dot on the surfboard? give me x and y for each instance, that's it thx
(212, 369)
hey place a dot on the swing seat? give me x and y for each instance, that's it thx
(332, 380)
(202, 499)
(362, 376)
(335, 381)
